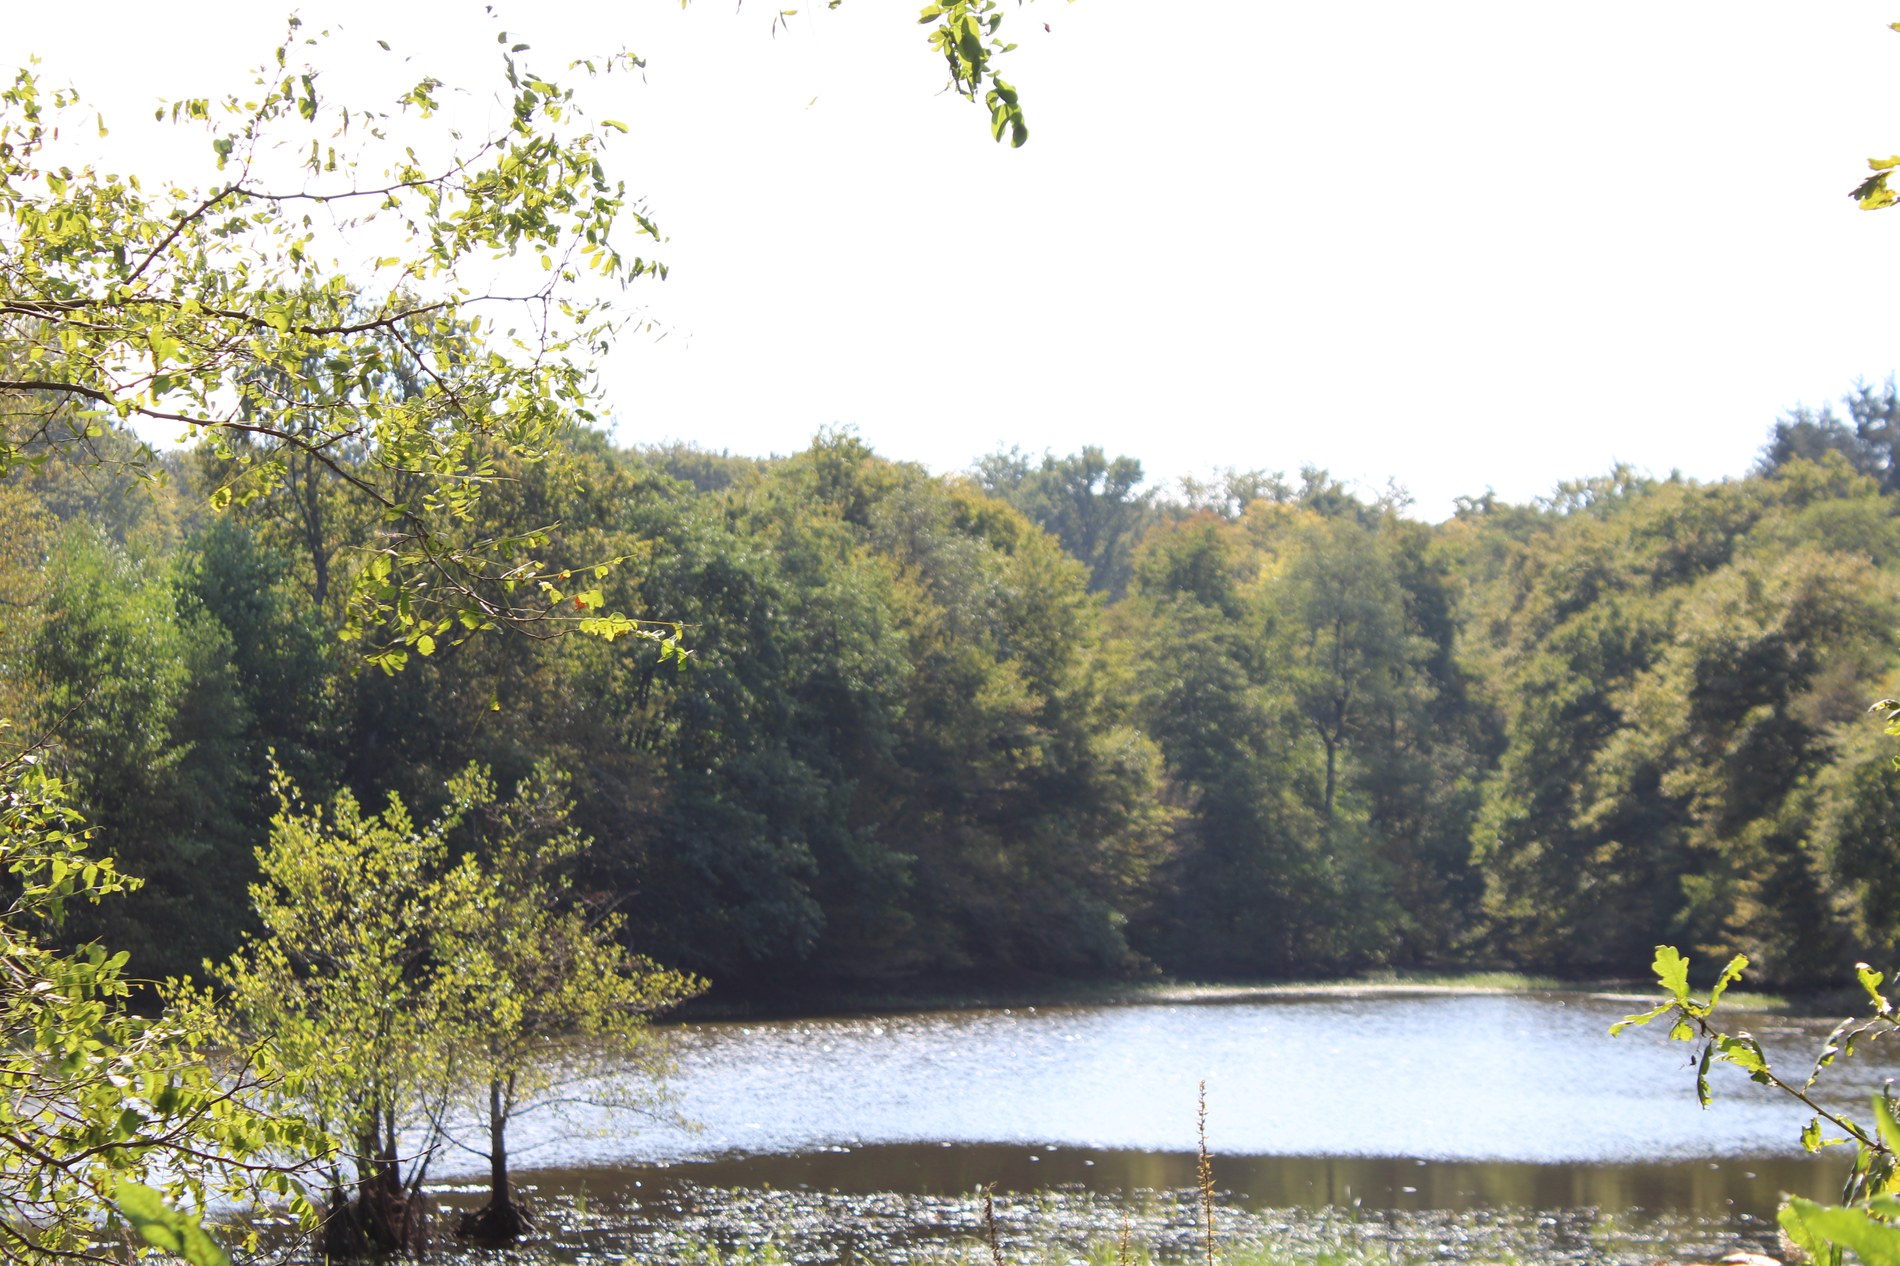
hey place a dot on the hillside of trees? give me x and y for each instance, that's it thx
(1036, 718)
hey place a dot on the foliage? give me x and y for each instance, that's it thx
(539, 988)
(106, 1119)
(1675, 668)
(1868, 439)
(1867, 1221)
(223, 312)
(393, 983)
(338, 985)
(1086, 501)
(914, 741)
(965, 32)
(134, 682)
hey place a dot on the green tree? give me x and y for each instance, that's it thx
(214, 311)
(1677, 668)
(1339, 603)
(1086, 501)
(1868, 438)
(544, 990)
(393, 984)
(133, 678)
(338, 984)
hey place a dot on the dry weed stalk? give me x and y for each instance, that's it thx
(1205, 1168)
(989, 1224)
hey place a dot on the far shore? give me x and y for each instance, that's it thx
(807, 1000)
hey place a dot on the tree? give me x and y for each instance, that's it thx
(544, 988)
(391, 982)
(1343, 614)
(214, 311)
(338, 983)
(1869, 438)
(1086, 501)
(133, 684)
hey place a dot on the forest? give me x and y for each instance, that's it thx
(1037, 719)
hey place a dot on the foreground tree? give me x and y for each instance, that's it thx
(218, 311)
(394, 984)
(545, 996)
(338, 984)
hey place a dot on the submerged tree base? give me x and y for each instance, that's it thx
(374, 1224)
(500, 1221)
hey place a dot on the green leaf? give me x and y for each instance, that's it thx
(1871, 980)
(1744, 1052)
(1672, 971)
(1645, 1017)
(165, 1227)
(1884, 1121)
(1824, 1229)
(425, 645)
(1730, 974)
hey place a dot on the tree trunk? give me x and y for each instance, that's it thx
(381, 1219)
(501, 1220)
(1332, 782)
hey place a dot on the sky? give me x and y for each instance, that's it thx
(1473, 245)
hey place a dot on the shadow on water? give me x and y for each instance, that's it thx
(1714, 1189)
(1699, 1189)
(916, 1203)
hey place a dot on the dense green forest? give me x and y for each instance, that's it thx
(1036, 718)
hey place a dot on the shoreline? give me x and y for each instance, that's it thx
(841, 998)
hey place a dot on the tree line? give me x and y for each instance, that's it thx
(1035, 718)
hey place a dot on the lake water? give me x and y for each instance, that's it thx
(1468, 1111)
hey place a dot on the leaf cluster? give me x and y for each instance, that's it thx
(1867, 1221)
(107, 1119)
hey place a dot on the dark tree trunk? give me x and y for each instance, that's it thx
(382, 1219)
(501, 1220)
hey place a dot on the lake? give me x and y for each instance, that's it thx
(1474, 1124)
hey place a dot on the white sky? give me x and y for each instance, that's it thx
(1466, 244)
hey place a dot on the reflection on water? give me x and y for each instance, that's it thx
(1751, 1187)
(1480, 1127)
(915, 1203)
(1452, 1077)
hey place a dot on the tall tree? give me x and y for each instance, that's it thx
(1088, 502)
